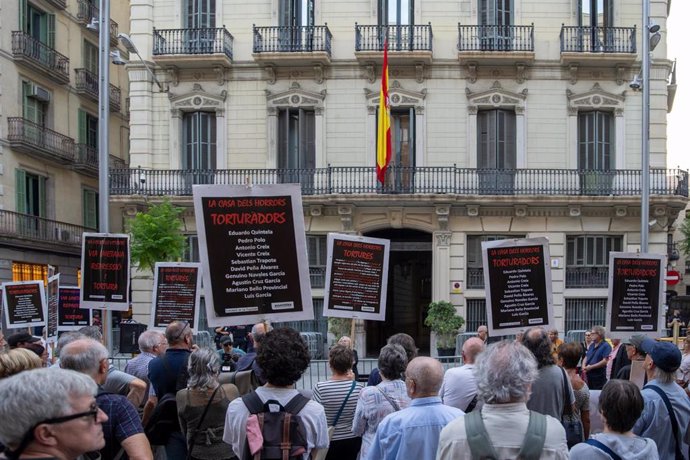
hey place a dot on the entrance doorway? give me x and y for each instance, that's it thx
(409, 290)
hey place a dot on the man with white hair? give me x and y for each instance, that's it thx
(412, 433)
(248, 361)
(459, 387)
(52, 413)
(123, 430)
(151, 344)
(505, 374)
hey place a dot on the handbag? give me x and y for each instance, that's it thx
(574, 433)
(321, 454)
(190, 447)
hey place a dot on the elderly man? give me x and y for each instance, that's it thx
(459, 387)
(633, 353)
(505, 374)
(166, 375)
(151, 345)
(123, 429)
(412, 433)
(52, 413)
(248, 361)
(596, 359)
(548, 395)
(664, 401)
(284, 357)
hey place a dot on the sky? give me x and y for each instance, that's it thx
(678, 144)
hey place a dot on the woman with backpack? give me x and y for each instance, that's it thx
(202, 405)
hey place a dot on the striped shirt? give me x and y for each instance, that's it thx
(331, 394)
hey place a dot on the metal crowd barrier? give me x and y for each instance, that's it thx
(315, 343)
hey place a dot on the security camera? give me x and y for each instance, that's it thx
(142, 178)
(636, 83)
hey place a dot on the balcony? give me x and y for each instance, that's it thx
(22, 228)
(292, 45)
(59, 4)
(359, 180)
(40, 142)
(86, 84)
(598, 46)
(86, 160)
(494, 44)
(87, 12)
(40, 57)
(407, 44)
(586, 277)
(191, 48)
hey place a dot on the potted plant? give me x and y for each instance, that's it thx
(445, 323)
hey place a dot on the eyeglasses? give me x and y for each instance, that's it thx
(92, 412)
(179, 334)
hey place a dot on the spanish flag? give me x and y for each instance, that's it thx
(383, 138)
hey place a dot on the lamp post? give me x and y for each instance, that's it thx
(644, 206)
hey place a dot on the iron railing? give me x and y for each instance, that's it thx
(577, 39)
(400, 37)
(352, 180)
(495, 38)
(87, 11)
(87, 157)
(192, 41)
(317, 276)
(25, 46)
(25, 133)
(582, 314)
(475, 278)
(26, 226)
(586, 277)
(87, 83)
(292, 39)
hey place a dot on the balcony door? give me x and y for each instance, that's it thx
(296, 21)
(199, 20)
(400, 172)
(297, 147)
(596, 19)
(595, 152)
(495, 20)
(31, 202)
(199, 147)
(398, 18)
(496, 152)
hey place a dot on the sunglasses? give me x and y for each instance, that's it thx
(92, 412)
(179, 334)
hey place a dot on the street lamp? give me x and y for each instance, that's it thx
(131, 48)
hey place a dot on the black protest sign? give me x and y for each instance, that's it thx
(105, 271)
(52, 305)
(176, 293)
(24, 304)
(70, 316)
(517, 278)
(356, 277)
(635, 293)
(253, 253)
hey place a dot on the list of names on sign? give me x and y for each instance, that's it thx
(105, 268)
(517, 284)
(253, 252)
(176, 293)
(635, 293)
(53, 286)
(70, 316)
(356, 275)
(24, 302)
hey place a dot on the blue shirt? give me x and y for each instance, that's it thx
(655, 423)
(165, 370)
(595, 354)
(413, 433)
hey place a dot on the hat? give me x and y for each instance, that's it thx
(635, 340)
(226, 339)
(666, 356)
(21, 337)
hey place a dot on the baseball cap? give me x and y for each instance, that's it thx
(635, 340)
(666, 356)
(226, 339)
(20, 337)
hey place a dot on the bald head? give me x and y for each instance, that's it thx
(471, 348)
(423, 377)
(483, 332)
(87, 356)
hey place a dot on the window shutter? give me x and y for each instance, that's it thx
(309, 140)
(81, 124)
(42, 196)
(283, 134)
(23, 20)
(90, 211)
(50, 37)
(20, 187)
(509, 160)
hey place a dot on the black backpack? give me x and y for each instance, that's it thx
(164, 420)
(284, 433)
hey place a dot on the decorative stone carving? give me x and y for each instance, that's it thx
(621, 71)
(220, 75)
(472, 71)
(173, 75)
(345, 212)
(520, 75)
(296, 97)
(572, 70)
(199, 99)
(318, 73)
(270, 74)
(398, 97)
(443, 239)
(496, 97)
(419, 72)
(370, 72)
(442, 213)
(595, 98)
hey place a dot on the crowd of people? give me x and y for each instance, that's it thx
(531, 397)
